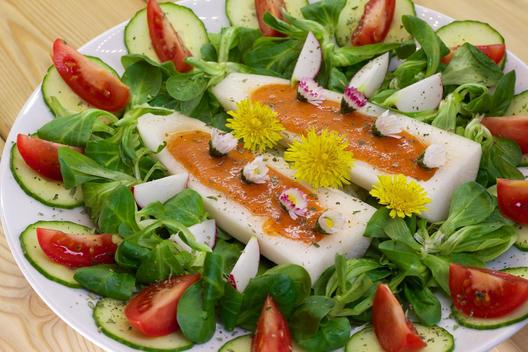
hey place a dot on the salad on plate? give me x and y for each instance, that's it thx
(314, 177)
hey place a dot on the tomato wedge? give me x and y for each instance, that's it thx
(375, 22)
(394, 332)
(510, 127)
(40, 155)
(495, 52)
(153, 310)
(272, 334)
(485, 293)
(274, 7)
(165, 40)
(512, 196)
(76, 250)
(88, 80)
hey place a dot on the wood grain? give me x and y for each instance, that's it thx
(27, 29)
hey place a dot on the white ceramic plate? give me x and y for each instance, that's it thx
(74, 306)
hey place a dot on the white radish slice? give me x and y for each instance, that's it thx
(371, 76)
(423, 95)
(204, 233)
(246, 266)
(160, 190)
(309, 61)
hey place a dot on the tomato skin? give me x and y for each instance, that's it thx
(165, 40)
(510, 127)
(274, 7)
(375, 22)
(394, 332)
(272, 334)
(485, 293)
(76, 251)
(495, 52)
(512, 196)
(88, 80)
(40, 155)
(153, 310)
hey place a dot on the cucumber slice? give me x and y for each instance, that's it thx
(242, 12)
(46, 191)
(438, 340)
(243, 344)
(518, 315)
(54, 86)
(351, 15)
(111, 320)
(238, 344)
(524, 160)
(34, 254)
(519, 105)
(473, 32)
(190, 28)
(522, 238)
(521, 271)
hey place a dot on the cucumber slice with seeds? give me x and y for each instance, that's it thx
(243, 344)
(40, 261)
(522, 237)
(189, 27)
(354, 9)
(521, 271)
(242, 12)
(110, 319)
(516, 316)
(49, 192)
(473, 32)
(519, 105)
(437, 339)
(54, 86)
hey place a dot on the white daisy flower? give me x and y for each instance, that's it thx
(352, 100)
(387, 125)
(294, 201)
(221, 143)
(308, 90)
(255, 171)
(434, 156)
(331, 221)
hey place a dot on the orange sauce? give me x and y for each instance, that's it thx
(191, 149)
(396, 156)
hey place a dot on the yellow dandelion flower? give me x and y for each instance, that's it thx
(256, 124)
(322, 160)
(401, 197)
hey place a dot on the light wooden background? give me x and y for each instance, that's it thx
(27, 29)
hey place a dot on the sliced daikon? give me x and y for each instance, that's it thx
(160, 190)
(246, 266)
(309, 61)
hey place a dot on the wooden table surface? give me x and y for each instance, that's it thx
(27, 29)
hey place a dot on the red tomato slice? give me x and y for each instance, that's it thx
(375, 22)
(165, 40)
(511, 127)
(272, 334)
(495, 52)
(153, 310)
(394, 332)
(274, 7)
(40, 155)
(90, 81)
(512, 196)
(484, 293)
(76, 250)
